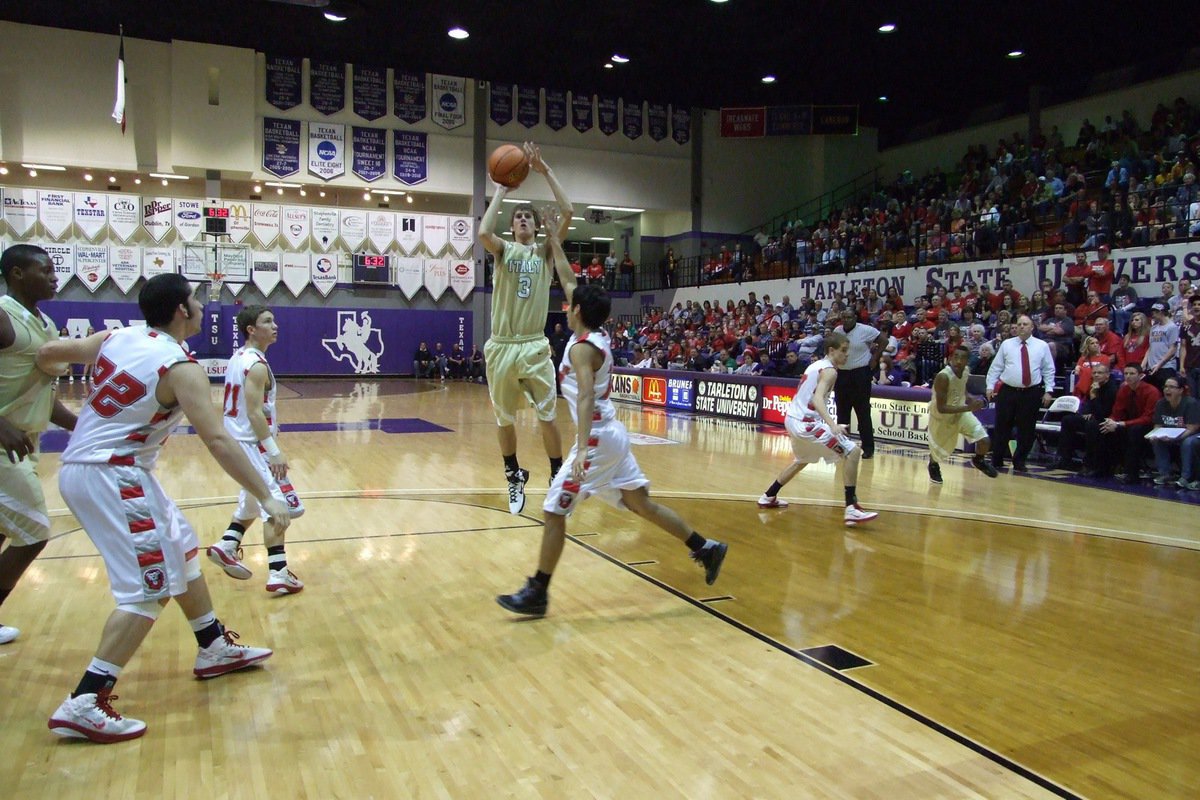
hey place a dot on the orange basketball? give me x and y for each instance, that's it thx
(508, 165)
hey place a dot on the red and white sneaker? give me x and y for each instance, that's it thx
(857, 515)
(92, 717)
(228, 557)
(282, 581)
(226, 655)
(771, 502)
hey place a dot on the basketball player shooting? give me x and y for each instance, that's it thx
(520, 369)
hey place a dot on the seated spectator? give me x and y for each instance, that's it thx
(1111, 345)
(1089, 357)
(1088, 312)
(1121, 437)
(423, 363)
(1177, 410)
(1095, 407)
(476, 365)
(595, 272)
(439, 360)
(792, 366)
(1059, 333)
(641, 359)
(456, 363)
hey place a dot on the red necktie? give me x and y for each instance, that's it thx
(1026, 372)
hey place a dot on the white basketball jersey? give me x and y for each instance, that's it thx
(802, 401)
(236, 399)
(956, 392)
(122, 422)
(604, 411)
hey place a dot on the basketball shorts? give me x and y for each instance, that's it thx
(283, 491)
(23, 515)
(813, 441)
(610, 469)
(944, 430)
(140, 532)
(520, 374)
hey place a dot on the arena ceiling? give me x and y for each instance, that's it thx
(944, 60)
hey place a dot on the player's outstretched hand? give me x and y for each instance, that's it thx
(534, 154)
(577, 466)
(278, 512)
(15, 441)
(278, 466)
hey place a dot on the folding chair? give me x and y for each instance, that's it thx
(1051, 421)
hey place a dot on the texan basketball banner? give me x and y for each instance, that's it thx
(281, 146)
(157, 261)
(324, 227)
(124, 215)
(410, 276)
(295, 270)
(353, 228)
(264, 271)
(462, 234)
(158, 216)
(529, 106)
(556, 109)
(295, 226)
(324, 273)
(283, 81)
(188, 219)
(581, 111)
(62, 256)
(20, 210)
(91, 265)
(606, 108)
(326, 150)
(656, 121)
(408, 95)
(125, 266)
(368, 153)
(239, 224)
(500, 103)
(56, 210)
(437, 276)
(327, 86)
(408, 232)
(381, 229)
(91, 213)
(434, 233)
(264, 220)
(462, 277)
(369, 90)
(632, 110)
(681, 125)
(410, 157)
(449, 100)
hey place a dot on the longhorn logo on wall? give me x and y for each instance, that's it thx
(356, 342)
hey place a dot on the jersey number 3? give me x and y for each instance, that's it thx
(524, 286)
(114, 392)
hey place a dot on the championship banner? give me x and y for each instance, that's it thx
(158, 216)
(681, 125)
(410, 275)
(283, 81)
(326, 150)
(91, 265)
(408, 95)
(835, 120)
(581, 111)
(434, 234)
(462, 234)
(295, 226)
(606, 109)
(295, 271)
(741, 122)
(556, 109)
(264, 272)
(239, 224)
(656, 121)
(462, 278)
(449, 101)
(410, 151)
(264, 221)
(124, 215)
(125, 266)
(368, 153)
(327, 86)
(324, 227)
(91, 213)
(324, 273)
(632, 110)
(381, 229)
(20, 210)
(409, 229)
(437, 276)
(188, 220)
(369, 90)
(529, 106)
(500, 103)
(281, 146)
(62, 256)
(157, 261)
(353, 228)
(56, 210)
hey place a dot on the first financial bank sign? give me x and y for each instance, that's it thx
(729, 399)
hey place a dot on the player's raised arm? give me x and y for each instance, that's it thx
(54, 357)
(557, 256)
(534, 153)
(487, 226)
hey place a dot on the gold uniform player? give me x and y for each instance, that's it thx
(520, 368)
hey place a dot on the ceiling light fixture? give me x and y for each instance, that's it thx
(458, 33)
(87, 176)
(887, 27)
(47, 167)
(3, 170)
(616, 208)
(33, 173)
(282, 185)
(138, 181)
(408, 199)
(170, 175)
(602, 238)
(322, 193)
(619, 59)
(257, 189)
(883, 98)
(279, 190)
(303, 193)
(608, 65)
(1016, 53)
(334, 16)
(112, 178)
(366, 195)
(768, 78)
(165, 182)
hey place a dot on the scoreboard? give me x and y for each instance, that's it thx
(216, 219)
(375, 270)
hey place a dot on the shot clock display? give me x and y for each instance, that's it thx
(216, 219)
(372, 269)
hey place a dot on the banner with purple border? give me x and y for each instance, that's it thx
(681, 125)
(408, 95)
(556, 109)
(327, 86)
(529, 106)
(369, 91)
(281, 146)
(581, 111)
(410, 157)
(606, 110)
(500, 103)
(631, 111)
(283, 81)
(656, 121)
(368, 149)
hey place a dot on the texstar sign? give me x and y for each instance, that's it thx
(730, 399)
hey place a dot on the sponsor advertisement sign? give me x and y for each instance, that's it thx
(739, 400)
(681, 393)
(654, 390)
(626, 387)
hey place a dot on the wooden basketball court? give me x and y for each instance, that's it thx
(994, 639)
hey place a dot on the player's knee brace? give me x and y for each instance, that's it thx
(150, 609)
(191, 570)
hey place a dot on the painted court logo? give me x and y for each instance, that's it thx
(356, 343)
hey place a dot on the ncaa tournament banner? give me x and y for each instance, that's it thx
(556, 109)
(581, 111)
(281, 146)
(410, 276)
(500, 103)
(157, 261)
(437, 276)
(91, 213)
(462, 277)
(434, 233)
(326, 150)
(124, 215)
(324, 227)
(408, 95)
(124, 266)
(681, 125)
(239, 224)
(56, 210)
(158, 216)
(20, 210)
(327, 86)
(295, 226)
(606, 110)
(295, 271)
(381, 229)
(632, 110)
(369, 90)
(656, 121)
(91, 265)
(410, 157)
(264, 271)
(368, 153)
(529, 107)
(188, 219)
(283, 81)
(324, 273)
(265, 223)
(409, 230)
(353, 228)
(449, 101)
(62, 256)
(462, 234)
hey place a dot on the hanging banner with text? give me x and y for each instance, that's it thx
(529, 106)
(556, 109)
(606, 109)
(283, 81)
(368, 147)
(410, 157)
(326, 150)
(327, 86)
(803, 120)
(581, 111)
(500, 103)
(408, 95)
(281, 146)
(449, 101)
(369, 91)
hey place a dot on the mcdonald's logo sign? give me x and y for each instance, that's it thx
(654, 391)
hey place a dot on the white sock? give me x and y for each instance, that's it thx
(104, 668)
(200, 623)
